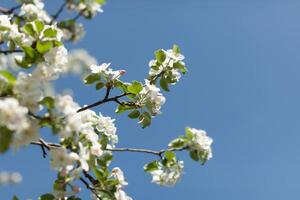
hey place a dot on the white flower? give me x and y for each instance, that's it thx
(79, 61)
(66, 105)
(151, 94)
(168, 175)
(99, 68)
(25, 137)
(11, 32)
(10, 178)
(62, 160)
(84, 156)
(55, 63)
(173, 55)
(12, 115)
(199, 141)
(35, 10)
(119, 175)
(89, 7)
(107, 72)
(121, 195)
(29, 91)
(96, 149)
(106, 126)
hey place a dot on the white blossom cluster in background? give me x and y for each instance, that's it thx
(7, 178)
(33, 55)
(33, 10)
(88, 8)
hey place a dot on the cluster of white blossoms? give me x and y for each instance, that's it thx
(29, 91)
(13, 115)
(150, 95)
(10, 32)
(7, 62)
(199, 143)
(168, 64)
(105, 71)
(35, 10)
(79, 61)
(119, 175)
(168, 174)
(88, 8)
(55, 63)
(10, 178)
(85, 123)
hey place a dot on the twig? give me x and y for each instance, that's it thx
(104, 100)
(87, 185)
(9, 11)
(159, 153)
(56, 15)
(5, 52)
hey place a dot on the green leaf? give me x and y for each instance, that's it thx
(5, 139)
(28, 29)
(177, 143)
(39, 26)
(180, 66)
(194, 155)
(8, 76)
(15, 198)
(134, 114)
(99, 85)
(92, 78)
(122, 108)
(189, 133)
(160, 56)
(4, 28)
(163, 84)
(43, 47)
(135, 87)
(176, 49)
(31, 55)
(152, 166)
(48, 102)
(170, 155)
(101, 174)
(145, 119)
(47, 197)
(50, 33)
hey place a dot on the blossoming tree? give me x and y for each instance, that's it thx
(33, 55)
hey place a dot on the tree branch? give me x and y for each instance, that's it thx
(159, 153)
(56, 15)
(9, 11)
(6, 52)
(104, 100)
(89, 187)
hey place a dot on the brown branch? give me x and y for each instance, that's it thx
(89, 187)
(56, 15)
(9, 11)
(159, 153)
(6, 52)
(104, 100)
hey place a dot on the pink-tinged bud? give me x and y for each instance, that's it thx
(122, 72)
(76, 189)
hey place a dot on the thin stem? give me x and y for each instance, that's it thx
(159, 153)
(6, 52)
(89, 187)
(9, 11)
(104, 100)
(56, 15)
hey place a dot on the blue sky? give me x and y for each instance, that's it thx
(242, 87)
